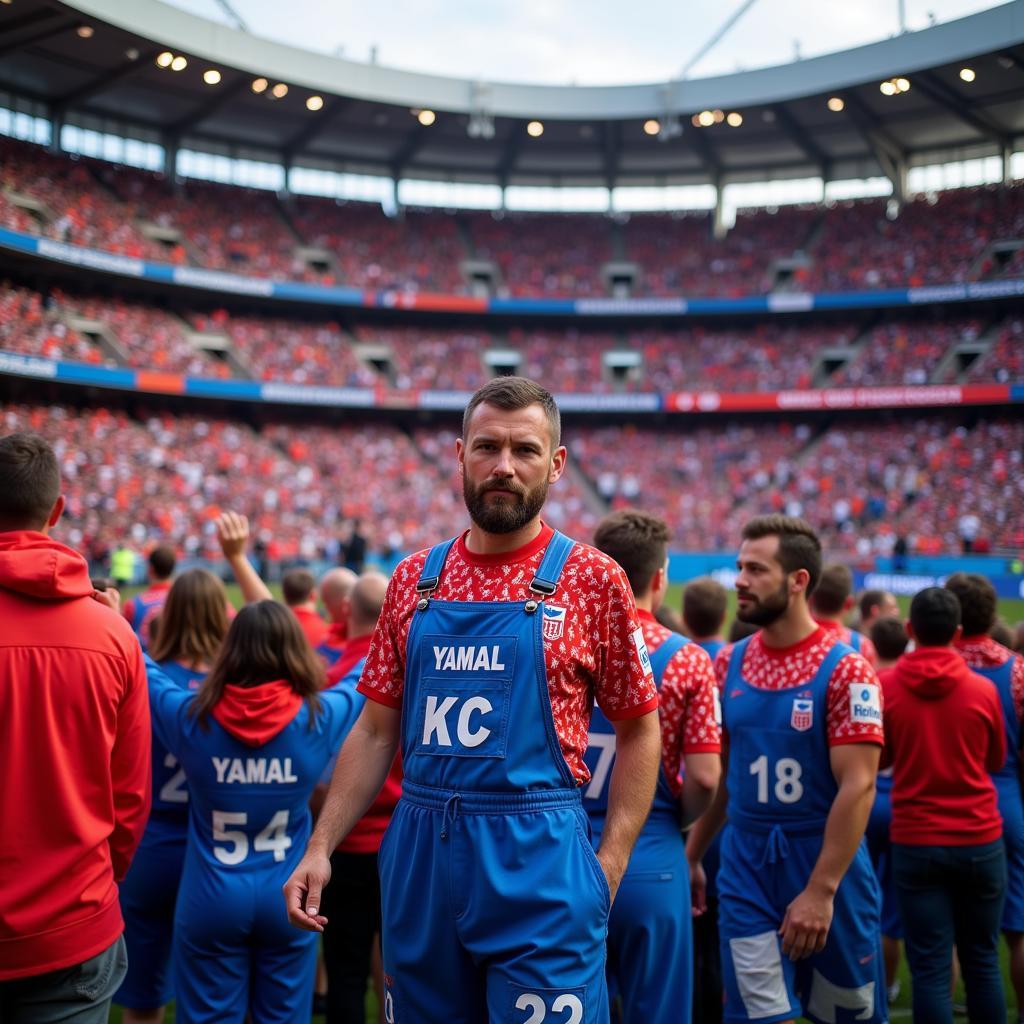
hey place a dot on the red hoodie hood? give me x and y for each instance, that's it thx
(256, 714)
(932, 672)
(33, 564)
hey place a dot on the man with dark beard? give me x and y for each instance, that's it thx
(488, 655)
(802, 734)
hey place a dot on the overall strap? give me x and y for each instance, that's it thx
(664, 654)
(434, 566)
(855, 639)
(551, 565)
(735, 673)
(835, 655)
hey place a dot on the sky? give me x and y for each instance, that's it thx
(581, 42)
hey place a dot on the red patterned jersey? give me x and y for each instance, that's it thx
(597, 656)
(844, 633)
(781, 668)
(687, 705)
(984, 652)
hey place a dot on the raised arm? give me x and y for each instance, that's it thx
(233, 534)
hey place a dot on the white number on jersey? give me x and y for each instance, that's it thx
(788, 787)
(605, 745)
(538, 1010)
(273, 838)
(173, 791)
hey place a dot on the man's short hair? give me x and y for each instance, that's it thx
(29, 482)
(513, 393)
(799, 547)
(833, 589)
(636, 540)
(935, 614)
(889, 636)
(162, 560)
(1001, 633)
(869, 599)
(297, 586)
(978, 601)
(367, 597)
(704, 605)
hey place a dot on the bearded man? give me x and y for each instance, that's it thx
(488, 655)
(801, 738)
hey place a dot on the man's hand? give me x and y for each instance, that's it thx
(613, 872)
(233, 534)
(698, 889)
(111, 597)
(303, 891)
(806, 924)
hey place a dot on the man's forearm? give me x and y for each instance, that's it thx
(844, 830)
(631, 790)
(363, 765)
(701, 776)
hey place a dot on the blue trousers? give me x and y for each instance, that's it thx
(947, 895)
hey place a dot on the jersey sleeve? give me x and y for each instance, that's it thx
(625, 686)
(702, 730)
(167, 703)
(854, 703)
(1017, 686)
(383, 676)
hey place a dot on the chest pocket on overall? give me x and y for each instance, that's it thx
(464, 695)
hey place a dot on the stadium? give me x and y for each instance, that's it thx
(236, 276)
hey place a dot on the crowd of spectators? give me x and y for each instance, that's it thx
(937, 238)
(419, 357)
(861, 483)
(30, 325)
(1004, 361)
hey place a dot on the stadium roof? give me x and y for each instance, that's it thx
(368, 122)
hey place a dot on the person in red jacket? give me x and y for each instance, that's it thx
(74, 758)
(298, 588)
(943, 736)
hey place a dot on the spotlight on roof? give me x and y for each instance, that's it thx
(836, 104)
(967, 74)
(315, 103)
(705, 119)
(426, 118)
(279, 91)
(734, 119)
(718, 115)
(535, 129)
(179, 63)
(85, 31)
(888, 88)
(211, 76)
(652, 126)
(902, 85)
(259, 85)
(164, 59)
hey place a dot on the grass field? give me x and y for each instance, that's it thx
(1011, 610)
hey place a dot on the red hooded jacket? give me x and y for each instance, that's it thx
(943, 735)
(74, 758)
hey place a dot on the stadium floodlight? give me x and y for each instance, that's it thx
(718, 115)
(279, 91)
(705, 119)
(967, 74)
(888, 88)
(85, 31)
(211, 76)
(315, 103)
(164, 59)
(652, 127)
(902, 85)
(836, 104)
(179, 63)
(426, 118)
(734, 119)
(535, 129)
(259, 85)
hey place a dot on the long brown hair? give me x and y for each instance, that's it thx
(264, 643)
(193, 621)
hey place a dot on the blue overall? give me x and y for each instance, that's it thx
(650, 934)
(781, 789)
(495, 907)
(880, 849)
(856, 640)
(1008, 790)
(711, 646)
(150, 888)
(249, 823)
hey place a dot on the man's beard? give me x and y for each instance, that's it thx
(764, 613)
(508, 513)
